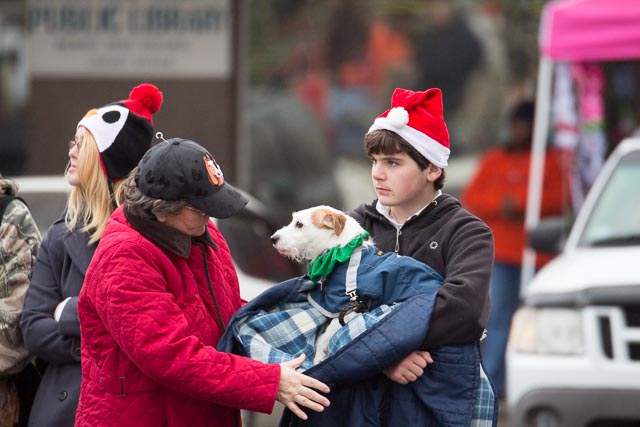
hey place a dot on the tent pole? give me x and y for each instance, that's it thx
(536, 166)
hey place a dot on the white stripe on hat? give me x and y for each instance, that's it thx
(431, 149)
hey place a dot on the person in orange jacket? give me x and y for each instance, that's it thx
(497, 193)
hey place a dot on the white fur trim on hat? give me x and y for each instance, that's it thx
(431, 149)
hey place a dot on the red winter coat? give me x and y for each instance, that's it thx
(149, 327)
(503, 174)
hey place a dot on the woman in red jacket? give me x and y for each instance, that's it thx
(157, 296)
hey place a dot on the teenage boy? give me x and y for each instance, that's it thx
(409, 148)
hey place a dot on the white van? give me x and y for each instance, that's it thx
(573, 357)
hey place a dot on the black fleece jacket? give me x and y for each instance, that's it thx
(459, 246)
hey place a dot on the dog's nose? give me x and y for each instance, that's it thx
(274, 239)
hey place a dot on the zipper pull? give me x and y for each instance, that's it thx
(398, 233)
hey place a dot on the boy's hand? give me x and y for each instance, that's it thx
(409, 369)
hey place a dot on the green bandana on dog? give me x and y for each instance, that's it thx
(324, 264)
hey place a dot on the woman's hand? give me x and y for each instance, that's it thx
(296, 389)
(57, 314)
(409, 369)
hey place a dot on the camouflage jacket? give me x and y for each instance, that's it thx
(19, 243)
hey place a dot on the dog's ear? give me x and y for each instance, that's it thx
(336, 221)
(328, 219)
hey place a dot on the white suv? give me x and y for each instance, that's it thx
(574, 351)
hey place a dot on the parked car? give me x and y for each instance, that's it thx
(574, 351)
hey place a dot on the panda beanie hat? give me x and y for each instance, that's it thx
(123, 130)
(418, 118)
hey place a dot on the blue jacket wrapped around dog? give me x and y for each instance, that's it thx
(286, 320)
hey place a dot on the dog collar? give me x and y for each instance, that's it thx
(323, 265)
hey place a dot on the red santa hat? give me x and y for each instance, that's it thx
(123, 130)
(417, 118)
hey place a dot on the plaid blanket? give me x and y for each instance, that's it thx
(291, 328)
(485, 410)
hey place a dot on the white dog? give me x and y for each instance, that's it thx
(353, 275)
(315, 230)
(311, 233)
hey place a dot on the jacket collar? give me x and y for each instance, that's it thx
(386, 211)
(80, 251)
(431, 212)
(167, 237)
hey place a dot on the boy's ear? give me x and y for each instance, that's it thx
(433, 172)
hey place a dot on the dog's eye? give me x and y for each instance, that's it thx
(298, 224)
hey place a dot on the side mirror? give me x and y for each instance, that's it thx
(549, 236)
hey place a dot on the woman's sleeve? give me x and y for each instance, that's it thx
(130, 297)
(41, 332)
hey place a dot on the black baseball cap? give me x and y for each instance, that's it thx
(181, 169)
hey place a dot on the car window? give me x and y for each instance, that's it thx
(615, 220)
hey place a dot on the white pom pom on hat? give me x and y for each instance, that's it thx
(398, 117)
(417, 117)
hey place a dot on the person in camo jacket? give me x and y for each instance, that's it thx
(19, 243)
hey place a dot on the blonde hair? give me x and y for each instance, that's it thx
(89, 204)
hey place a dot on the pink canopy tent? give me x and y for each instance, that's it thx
(574, 31)
(591, 30)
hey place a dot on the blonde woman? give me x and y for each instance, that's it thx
(108, 143)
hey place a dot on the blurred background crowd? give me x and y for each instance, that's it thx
(283, 89)
(304, 80)
(282, 92)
